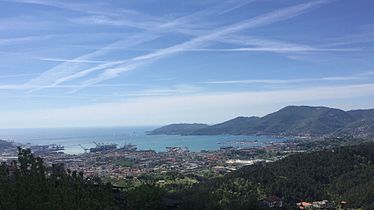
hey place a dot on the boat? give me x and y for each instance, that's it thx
(128, 147)
(100, 147)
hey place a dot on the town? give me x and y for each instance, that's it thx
(127, 162)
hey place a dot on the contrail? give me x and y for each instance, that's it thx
(72, 70)
(262, 20)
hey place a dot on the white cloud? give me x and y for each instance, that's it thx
(270, 49)
(289, 81)
(27, 87)
(368, 73)
(72, 60)
(15, 76)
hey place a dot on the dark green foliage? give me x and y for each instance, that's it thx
(239, 125)
(357, 187)
(213, 194)
(27, 187)
(289, 121)
(145, 197)
(362, 114)
(345, 173)
(336, 174)
(222, 194)
(303, 120)
(178, 129)
(328, 143)
(362, 126)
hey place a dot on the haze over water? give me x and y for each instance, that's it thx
(70, 138)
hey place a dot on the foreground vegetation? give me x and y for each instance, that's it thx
(28, 185)
(343, 173)
(336, 174)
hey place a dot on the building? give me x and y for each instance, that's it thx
(325, 204)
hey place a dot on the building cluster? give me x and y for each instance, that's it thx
(128, 162)
(324, 204)
(277, 203)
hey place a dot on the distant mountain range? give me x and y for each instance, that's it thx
(303, 121)
(179, 129)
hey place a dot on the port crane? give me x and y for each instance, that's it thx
(85, 149)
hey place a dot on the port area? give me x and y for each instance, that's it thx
(108, 161)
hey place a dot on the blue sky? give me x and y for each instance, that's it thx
(111, 63)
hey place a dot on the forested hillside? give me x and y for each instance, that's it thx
(345, 173)
(289, 121)
(179, 129)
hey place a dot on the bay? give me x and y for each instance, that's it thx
(72, 138)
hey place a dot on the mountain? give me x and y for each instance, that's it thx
(239, 125)
(342, 173)
(178, 129)
(360, 129)
(362, 126)
(289, 121)
(362, 114)
(302, 121)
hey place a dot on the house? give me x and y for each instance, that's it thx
(343, 204)
(325, 204)
(304, 205)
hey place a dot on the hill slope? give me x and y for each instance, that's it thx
(302, 121)
(178, 129)
(362, 126)
(345, 173)
(239, 125)
(289, 121)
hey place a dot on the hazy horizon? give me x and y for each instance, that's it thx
(146, 63)
(153, 126)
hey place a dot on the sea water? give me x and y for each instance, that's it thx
(72, 138)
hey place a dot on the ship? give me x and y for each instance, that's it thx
(128, 147)
(100, 147)
(46, 149)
